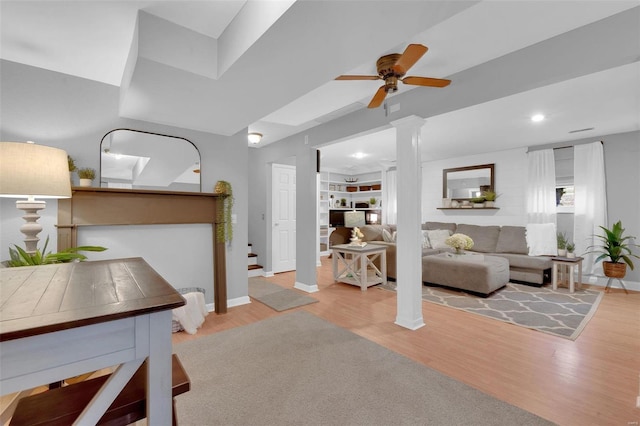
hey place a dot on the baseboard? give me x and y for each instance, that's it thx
(410, 324)
(238, 301)
(305, 287)
(267, 274)
(602, 282)
(245, 300)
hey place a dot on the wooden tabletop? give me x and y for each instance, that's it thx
(43, 299)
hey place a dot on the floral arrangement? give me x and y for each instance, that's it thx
(459, 242)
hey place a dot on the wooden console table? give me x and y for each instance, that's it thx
(63, 320)
(108, 206)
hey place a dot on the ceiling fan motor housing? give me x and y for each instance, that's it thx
(385, 70)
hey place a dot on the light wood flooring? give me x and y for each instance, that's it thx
(594, 380)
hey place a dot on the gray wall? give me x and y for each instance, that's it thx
(74, 114)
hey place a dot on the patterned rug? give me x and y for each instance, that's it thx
(556, 312)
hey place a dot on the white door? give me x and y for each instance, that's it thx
(283, 232)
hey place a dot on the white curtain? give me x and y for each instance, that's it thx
(590, 205)
(541, 187)
(390, 197)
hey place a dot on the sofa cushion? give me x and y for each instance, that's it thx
(388, 236)
(425, 240)
(437, 238)
(372, 232)
(524, 261)
(485, 238)
(512, 239)
(440, 225)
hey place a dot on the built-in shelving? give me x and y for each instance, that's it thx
(332, 188)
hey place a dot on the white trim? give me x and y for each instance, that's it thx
(602, 282)
(305, 287)
(267, 274)
(410, 324)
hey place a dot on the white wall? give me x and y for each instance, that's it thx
(510, 173)
(74, 114)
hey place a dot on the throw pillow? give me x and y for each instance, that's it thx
(425, 240)
(437, 238)
(541, 239)
(512, 239)
(388, 237)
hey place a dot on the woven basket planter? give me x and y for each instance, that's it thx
(614, 270)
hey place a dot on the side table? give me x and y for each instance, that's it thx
(354, 265)
(570, 263)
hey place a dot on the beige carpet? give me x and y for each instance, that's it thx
(556, 312)
(297, 369)
(276, 297)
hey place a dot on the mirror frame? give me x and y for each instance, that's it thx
(491, 168)
(156, 134)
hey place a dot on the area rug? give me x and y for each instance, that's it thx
(298, 369)
(277, 297)
(556, 312)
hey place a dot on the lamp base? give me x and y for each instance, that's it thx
(31, 228)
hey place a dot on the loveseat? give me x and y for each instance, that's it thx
(508, 242)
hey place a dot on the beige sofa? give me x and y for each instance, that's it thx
(508, 242)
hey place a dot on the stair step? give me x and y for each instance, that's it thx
(253, 255)
(251, 267)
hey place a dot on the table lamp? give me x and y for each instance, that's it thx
(31, 171)
(353, 219)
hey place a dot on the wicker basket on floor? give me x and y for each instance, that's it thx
(175, 325)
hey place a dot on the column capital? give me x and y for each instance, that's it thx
(409, 121)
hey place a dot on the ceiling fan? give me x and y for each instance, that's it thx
(391, 69)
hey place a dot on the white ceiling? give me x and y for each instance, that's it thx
(269, 65)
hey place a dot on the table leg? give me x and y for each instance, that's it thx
(363, 272)
(580, 274)
(554, 276)
(572, 284)
(159, 406)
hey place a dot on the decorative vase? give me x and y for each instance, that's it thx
(459, 251)
(489, 204)
(571, 255)
(614, 270)
(562, 252)
(85, 182)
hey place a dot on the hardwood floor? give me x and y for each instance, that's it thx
(593, 380)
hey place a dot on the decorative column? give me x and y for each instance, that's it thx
(409, 240)
(306, 218)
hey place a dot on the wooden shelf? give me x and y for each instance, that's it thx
(468, 208)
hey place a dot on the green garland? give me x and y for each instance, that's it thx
(224, 232)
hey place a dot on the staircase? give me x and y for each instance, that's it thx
(255, 270)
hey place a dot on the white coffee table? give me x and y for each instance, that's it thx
(354, 265)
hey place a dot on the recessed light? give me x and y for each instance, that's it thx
(537, 117)
(359, 155)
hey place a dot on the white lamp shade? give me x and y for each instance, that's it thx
(353, 219)
(31, 170)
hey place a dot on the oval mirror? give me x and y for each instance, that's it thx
(464, 183)
(134, 159)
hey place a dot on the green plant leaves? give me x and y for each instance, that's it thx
(19, 257)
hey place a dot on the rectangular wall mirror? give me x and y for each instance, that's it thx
(464, 183)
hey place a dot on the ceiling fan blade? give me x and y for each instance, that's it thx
(411, 54)
(377, 99)
(426, 81)
(358, 77)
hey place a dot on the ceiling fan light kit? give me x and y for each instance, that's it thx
(391, 68)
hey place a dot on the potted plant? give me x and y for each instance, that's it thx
(72, 167)
(19, 257)
(478, 202)
(489, 198)
(225, 232)
(617, 248)
(372, 201)
(86, 175)
(343, 202)
(571, 247)
(562, 244)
